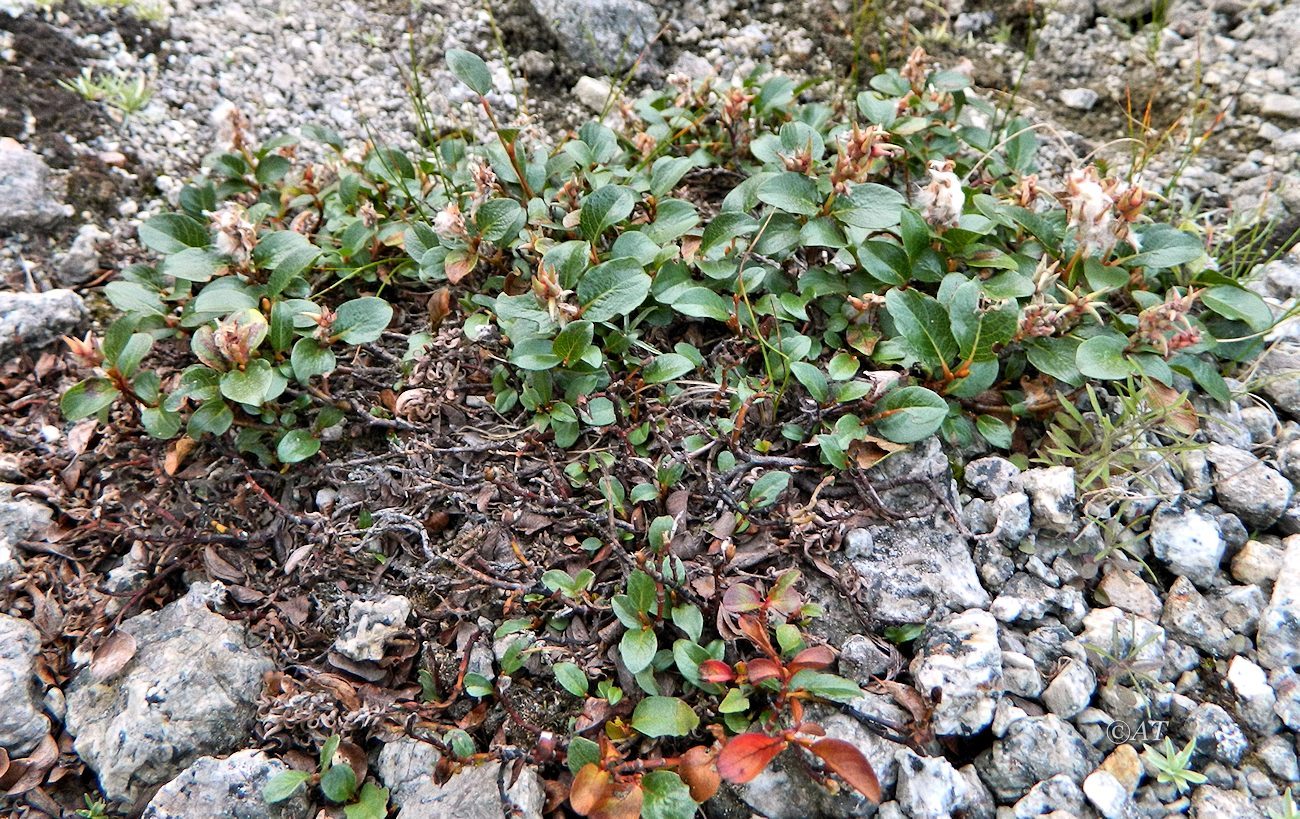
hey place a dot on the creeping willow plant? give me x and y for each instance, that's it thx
(880, 270)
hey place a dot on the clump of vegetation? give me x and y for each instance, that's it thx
(1174, 766)
(807, 280)
(123, 94)
(337, 777)
(887, 271)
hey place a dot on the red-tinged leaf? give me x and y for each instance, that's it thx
(625, 804)
(783, 597)
(699, 770)
(741, 598)
(851, 766)
(762, 669)
(746, 755)
(716, 671)
(591, 788)
(458, 265)
(755, 629)
(811, 728)
(816, 658)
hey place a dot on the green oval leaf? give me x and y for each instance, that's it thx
(665, 796)
(924, 324)
(638, 647)
(603, 208)
(250, 385)
(309, 358)
(909, 414)
(172, 233)
(470, 69)
(212, 416)
(666, 368)
(283, 785)
(791, 192)
(612, 289)
(362, 320)
(1239, 304)
(1103, 357)
(664, 717)
(160, 423)
(572, 678)
(192, 264)
(339, 783)
(87, 398)
(297, 445)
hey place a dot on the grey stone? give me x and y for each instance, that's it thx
(862, 658)
(1020, 675)
(929, 787)
(1080, 99)
(979, 516)
(1216, 734)
(1026, 598)
(1260, 423)
(910, 569)
(1248, 488)
(1109, 796)
(80, 262)
(593, 93)
(1070, 691)
(1280, 105)
(972, 22)
(1034, 749)
(1258, 563)
(1279, 756)
(1209, 801)
(1059, 793)
(477, 793)
(1124, 9)
(1278, 638)
(1286, 687)
(1288, 459)
(1188, 617)
(28, 201)
(992, 477)
(1222, 423)
(979, 803)
(535, 64)
(606, 35)
(371, 625)
(405, 766)
(1279, 279)
(31, 321)
(1116, 633)
(880, 752)
(960, 656)
(229, 788)
(22, 518)
(1188, 541)
(1126, 590)
(190, 690)
(1278, 375)
(1012, 515)
(9, 563)
(22, 725)
(1052, 494)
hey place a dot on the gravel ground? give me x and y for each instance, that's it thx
(1012, 615)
